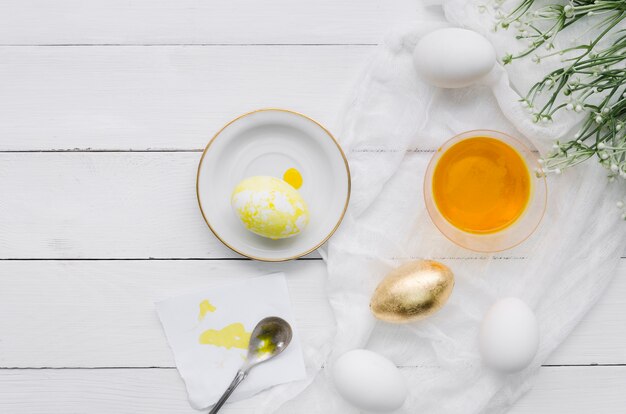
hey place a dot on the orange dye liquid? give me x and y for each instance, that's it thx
(481, 185)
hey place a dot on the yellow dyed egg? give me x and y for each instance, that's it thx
(270, 207)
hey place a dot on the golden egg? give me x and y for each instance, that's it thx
(412, 292)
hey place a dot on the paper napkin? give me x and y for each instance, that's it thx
(207, 333)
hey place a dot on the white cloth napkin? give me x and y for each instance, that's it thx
(208, 369)
(393, 121)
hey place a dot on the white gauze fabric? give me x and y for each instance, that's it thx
(393, 123)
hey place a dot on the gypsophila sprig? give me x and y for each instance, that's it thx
(591, 79)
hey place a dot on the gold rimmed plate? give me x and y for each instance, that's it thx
(270, 142)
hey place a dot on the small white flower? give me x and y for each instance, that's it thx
(604, 155)
(578, 108)
(618, 127)
(605, 110)
(614, 167)
(620, 204)
(549, 82)
(535, 118)
(569, 10)
(601, 146)
(540, 161)
(555, 146)
(536, 59)
(557, 171)
(599, 119)
(525, 104)
(569, 106)
(579, 142)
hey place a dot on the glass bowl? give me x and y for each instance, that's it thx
(516, 232)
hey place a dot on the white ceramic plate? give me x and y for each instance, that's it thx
(269, 142)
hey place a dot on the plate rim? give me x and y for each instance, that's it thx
(333, 230)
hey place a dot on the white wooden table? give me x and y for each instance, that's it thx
(105, 106)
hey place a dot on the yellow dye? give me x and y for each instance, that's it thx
(266, 345)
(205, 307)
(481, 185)
(293, 178)
(231, 336)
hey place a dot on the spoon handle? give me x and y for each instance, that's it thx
(241, 375)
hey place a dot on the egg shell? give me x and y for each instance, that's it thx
(270, 207)
(453, 57)
(369, 381)
(509, 335)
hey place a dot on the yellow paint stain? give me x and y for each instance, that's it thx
(293, 178)
(266, 345)
(205, 307)
(231, 336)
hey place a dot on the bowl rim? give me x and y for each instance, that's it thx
(528, 148)
(286, 258)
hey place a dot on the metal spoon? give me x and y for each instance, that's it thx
(269, 338)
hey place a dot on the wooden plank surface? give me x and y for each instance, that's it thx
(173, 97)
(102, 205)
(101, 313)
(576, 390)
(154, 75)
(200, 22)
(571, 390)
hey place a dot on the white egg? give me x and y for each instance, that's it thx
(509, 335)
(453, 57)
(369, 381)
